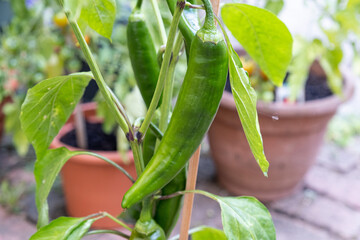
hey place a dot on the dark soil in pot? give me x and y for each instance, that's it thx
(96, 138)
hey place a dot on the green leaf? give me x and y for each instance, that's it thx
(274, 6)
(46, 170)
(245, 101)
(330, 62)
(81, 230)
(244, 218)
(265, 38)
(47, 107)
(100, 16)
(305, 53)
(353, 4)
(208, 233)
(64, 228)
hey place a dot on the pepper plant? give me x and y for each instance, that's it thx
(161, 168)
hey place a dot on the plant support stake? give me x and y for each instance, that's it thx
(189, 198)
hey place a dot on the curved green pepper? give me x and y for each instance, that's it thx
(167, 211)
(143, 54)
(194, 111)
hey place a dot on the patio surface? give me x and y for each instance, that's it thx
(327, 208)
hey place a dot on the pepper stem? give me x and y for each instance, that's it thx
(146, 211)
(138, 4)
(209, 18)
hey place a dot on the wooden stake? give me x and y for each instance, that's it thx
(189, 198)
(80, 128)
(215, 5)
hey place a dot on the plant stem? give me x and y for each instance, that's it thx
(159, 20)
(209, 18)
(156, 131)
(168, 87)
(153, 127)
(164, 66)
(194, 6)
(117, 221)
(138, 158)
(98, 76)
(120, 107)
(110, 232)
(108, 161)
(175, 194)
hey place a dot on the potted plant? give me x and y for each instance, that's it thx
(160, 169)
(293, 118)
(98, 180)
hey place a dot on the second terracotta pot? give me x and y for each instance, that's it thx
(292, 136)
(92, 185)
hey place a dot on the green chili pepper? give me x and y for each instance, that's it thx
(194, 111)
(167, 211)
(147, 230)
(146, 227)
(143, 54)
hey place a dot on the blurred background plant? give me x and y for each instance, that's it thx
(37, 43)
(339, 25)
(32, 48)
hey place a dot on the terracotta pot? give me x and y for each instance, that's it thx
(292, 136)
(90, 184)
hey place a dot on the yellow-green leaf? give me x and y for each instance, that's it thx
(64, 228)
(100, 16)
(264, 37)
(47, 107)
(245, 101)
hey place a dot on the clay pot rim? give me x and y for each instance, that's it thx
(321, 106)
(112, 155)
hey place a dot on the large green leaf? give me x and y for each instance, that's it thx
(244, 218)
(100, 16)
(47, 107)
(245, 101)
(46, 170)
(274, 6)
(265, 38)
(208, 233)
(64, 228)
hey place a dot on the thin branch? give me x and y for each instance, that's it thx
(110, 232)
(110, 162)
